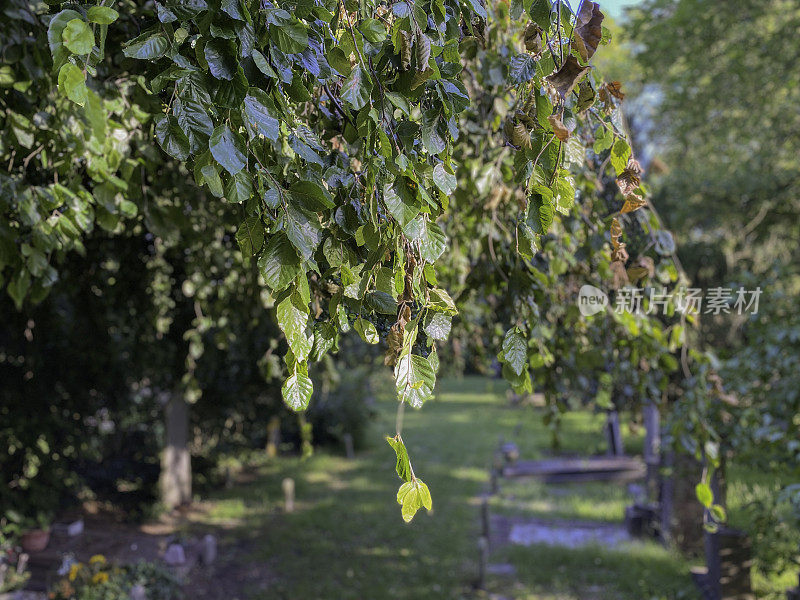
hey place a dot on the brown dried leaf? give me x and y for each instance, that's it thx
(423, 51)
(588, 29)
(520, 136)
(620, 275)
(608, 91)
(533, 38)
(630, 178)
(618, 252)
(405, 49)
(394, 341)
(559, 129)
(586, 96)
(570, 73)
(615, 89)
(632, 202)
(643, 267)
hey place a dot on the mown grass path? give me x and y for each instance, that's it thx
(346, 538)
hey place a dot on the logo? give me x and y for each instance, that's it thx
(591, 300)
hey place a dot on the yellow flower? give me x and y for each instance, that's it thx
(100, 577)
(74, 570)
(97, 558)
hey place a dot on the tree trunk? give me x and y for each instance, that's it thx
(176, 465)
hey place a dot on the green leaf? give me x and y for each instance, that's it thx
(231, 7)
(414, 380)
(719, 513)
(437, 326)
(443, 179)
(250, 236)
(227, 148)
(433, 243)
(399, 101)
(290, 37)
(522, 68)
(239, 188)
(540, 13)
(402, 211)
(194, 121)
(78, 37)
(293, 320)
(478, 8)
(440, 300)
(72, 83)
(311, 196)
(147, 47)
(303, 230)
(324, 339)
(355, 90)
(564, 192)
(515, 351)
(620, 153)
(171, 138)
(372, 30)
(55, 29)
(18, 287)
(102, 15)
(259, 110)
(221, 58)
(704, 494)
(366, 330)
(279, 263)
(297, 391)
(412, 496)
(210, 176)
(540, 212)
(403, 466)
(263, 65)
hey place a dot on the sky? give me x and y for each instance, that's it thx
(613, 8)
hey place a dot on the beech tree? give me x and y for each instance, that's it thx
(378, 159)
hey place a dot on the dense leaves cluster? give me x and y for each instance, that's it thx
(340, 133)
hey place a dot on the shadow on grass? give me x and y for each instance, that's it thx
(346, 538)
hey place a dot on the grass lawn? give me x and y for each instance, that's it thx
(346, 538)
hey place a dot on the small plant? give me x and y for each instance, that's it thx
(100, 580)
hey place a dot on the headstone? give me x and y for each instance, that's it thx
(652, 447)
(175, 555)
(176, 466)
(288, 493)
(349, 451)
(729, 559)
(483, 561)
(138, 592)
(75, 528)
(22, 562)
(494, 484)
(613, 434)
(510, 452)
(209, 553)
(681, 513)
(793, 594)
(485, 518)
(273, 436)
